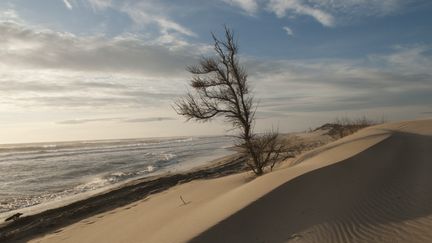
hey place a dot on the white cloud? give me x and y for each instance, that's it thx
(249, 6)
(100, 4)
(45, 69)
(88, 120)
(283, 7)
(288, 30)
(361, 7)
(327, 12)
(145, 14)
(33, 89)
(115, 119)
(402, 78)
(9, 15)
(46, 49)
(68, 4)
(412, 59)
(142, 16)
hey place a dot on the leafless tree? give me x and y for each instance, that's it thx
(220, 89)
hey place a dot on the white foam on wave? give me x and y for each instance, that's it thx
(150, 168)
(49, 146)
(92, 184)
(168, 156)
(184, 140)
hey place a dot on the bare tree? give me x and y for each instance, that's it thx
(220, 88)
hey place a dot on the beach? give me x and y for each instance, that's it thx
(372, 186)
(233, 121)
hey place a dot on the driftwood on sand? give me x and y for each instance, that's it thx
(14, 217)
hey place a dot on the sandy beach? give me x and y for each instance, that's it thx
(372, 186)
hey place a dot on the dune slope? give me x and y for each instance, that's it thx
(383, 194)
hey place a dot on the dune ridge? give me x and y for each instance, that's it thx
(375, 196)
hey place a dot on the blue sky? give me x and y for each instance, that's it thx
(94, 69)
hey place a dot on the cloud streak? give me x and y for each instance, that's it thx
(329, 13)
(283, 7)
(150, 119)
(77, 90)
(146, 14)
(115, 119)
(68, 4)
(338, 85)
(98, 5)
(288, 30)
(82, 121)
(249, 6)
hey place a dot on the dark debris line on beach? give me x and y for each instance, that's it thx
(50, 220)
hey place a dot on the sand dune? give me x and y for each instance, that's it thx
(383, 194)
(373, 186)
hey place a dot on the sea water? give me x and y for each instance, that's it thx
(40, 173)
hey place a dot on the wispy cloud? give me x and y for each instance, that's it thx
(81, 121)
(327, 12)
(9, 15)
(249, 6)
(86, 91)
(150, 119)
(283, 7)
(362, 7)
(146, 14)
(401, 78)
(115, 119)
(142, 16)
(98, 5)
(410, 59)
(68, 4)
(288, 30)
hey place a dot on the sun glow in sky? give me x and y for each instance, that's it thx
(97, 69)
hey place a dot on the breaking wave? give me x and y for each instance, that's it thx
(32, 174)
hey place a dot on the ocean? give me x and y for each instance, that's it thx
(40, 174)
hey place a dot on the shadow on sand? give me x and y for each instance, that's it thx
(383, 194)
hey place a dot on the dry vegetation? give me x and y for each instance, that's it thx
(295, 144)
(345, 126)
(220, 89)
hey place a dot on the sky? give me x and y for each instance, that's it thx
(108, 69)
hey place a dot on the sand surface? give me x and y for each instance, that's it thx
(373, 186)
